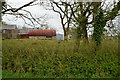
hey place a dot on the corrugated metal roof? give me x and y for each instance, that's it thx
(39, 32)
(8, 26)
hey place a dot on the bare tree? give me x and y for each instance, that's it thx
(65, 14)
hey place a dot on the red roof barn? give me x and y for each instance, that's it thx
(39, 32)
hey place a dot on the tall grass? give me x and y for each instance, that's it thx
(57, 59)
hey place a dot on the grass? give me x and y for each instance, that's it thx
(29, 58)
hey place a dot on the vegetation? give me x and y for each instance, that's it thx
(27, 58)
(64, 59)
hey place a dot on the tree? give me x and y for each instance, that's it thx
(82, 11)
(64, 13)
(72, 12)
(100, 20)
(80, 15)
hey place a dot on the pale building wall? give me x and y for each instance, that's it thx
(42, 37)
(59, 36)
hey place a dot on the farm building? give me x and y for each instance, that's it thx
(59, 36)
(23, 35)
(39, 34)
(42, 34)
(9, 31)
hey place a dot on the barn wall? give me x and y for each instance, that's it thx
(42, 37)
(10, 33)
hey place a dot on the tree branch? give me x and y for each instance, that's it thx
(28, 4)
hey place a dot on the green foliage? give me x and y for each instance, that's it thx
(99, 25)
(56, 59)
(79, 32)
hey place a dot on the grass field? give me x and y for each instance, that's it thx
(26, 58)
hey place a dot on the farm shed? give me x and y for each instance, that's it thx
(42, 34)
(60, 36)
(9, 31)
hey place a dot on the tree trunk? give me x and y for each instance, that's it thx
(85, 34)
(77, 45)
